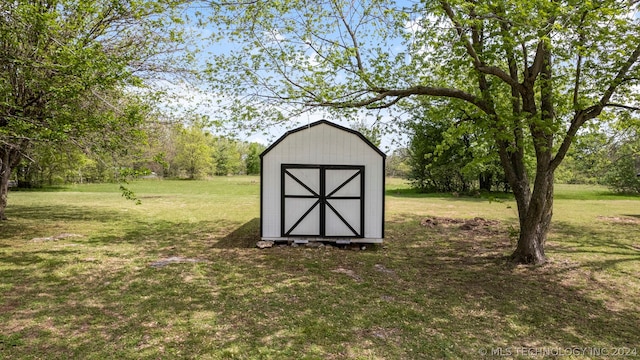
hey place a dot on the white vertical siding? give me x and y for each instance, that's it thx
(323, 144)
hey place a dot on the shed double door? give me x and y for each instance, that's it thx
(324, 201)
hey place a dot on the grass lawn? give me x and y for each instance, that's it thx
(85, 273)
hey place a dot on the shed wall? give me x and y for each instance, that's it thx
(323, 145)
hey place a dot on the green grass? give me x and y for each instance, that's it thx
(428, 292)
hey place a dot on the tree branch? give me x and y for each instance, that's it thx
(628, 107)
(460, 30)
(620, 76)
(593, 111)
(356, 47)
(383, 94)
(477, 63)
(576, 87)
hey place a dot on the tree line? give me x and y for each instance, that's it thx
(179, 150)
(447, 154)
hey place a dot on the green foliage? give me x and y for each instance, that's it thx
(588, 161)
(227, 156)
(373, 133)
(252, 158)
(609, 158)
(68, 70)
(188, 149)
(448, 154)
(193, 153)
(129, 195)
(624, 174)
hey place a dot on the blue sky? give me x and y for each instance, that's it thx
(197, 98)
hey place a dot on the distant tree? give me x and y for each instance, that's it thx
(448, 154)
(162, 147)
(588, 161)
(252, 158)
(49, 164)
(624, 174)
(227, 156)
(193, 151)
(434, 167)
(397, 164)
(372, 132)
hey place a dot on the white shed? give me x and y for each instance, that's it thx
(322, 182)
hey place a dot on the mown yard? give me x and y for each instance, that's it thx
(85, 273)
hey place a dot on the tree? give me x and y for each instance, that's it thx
(434, 167)
(193, 152)
(534, 72)
(373, 132)
(397, 163)
(448, 153)
(623, 174)
(67, 67)
(252, 158)
(227, 156)
(49, 164)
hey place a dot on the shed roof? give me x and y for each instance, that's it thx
(326, 122)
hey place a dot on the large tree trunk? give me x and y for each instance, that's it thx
(535, 214)
(534, 226)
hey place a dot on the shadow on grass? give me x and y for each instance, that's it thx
(53, 258)
(243, 237)
(429, 293)
(602, 249)
(482, 196)
(171, 238)
(27, 222)
(51, 188)
(62, 213)
(535, 304)
(219, 234)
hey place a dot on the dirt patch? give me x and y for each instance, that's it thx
(383, 269)
(619, 219)
(173, 260)
(476, 225)
(56, 237)
(350, 273)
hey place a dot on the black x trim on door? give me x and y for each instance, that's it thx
(321, 201)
